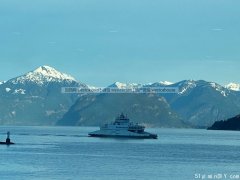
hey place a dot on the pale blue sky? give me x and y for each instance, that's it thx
(102, 41)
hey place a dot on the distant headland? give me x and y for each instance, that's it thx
(229, 124)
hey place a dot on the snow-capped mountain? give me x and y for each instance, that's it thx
(233, 86)
(36, 97)
(187, 86)
(201, 103)
(42, 75)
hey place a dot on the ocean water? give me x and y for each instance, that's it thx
(68, 153)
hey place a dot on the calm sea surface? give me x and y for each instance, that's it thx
(68, 153)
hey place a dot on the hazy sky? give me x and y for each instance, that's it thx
(102, 41)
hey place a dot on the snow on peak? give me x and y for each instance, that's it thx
(166, 83)
(91, 87)
(44, 74)
(51, 72)
(233, 86)
(120, 85)
(157, 84)
(44, 69)
(186, 85)
(219, 88)
(2, 82)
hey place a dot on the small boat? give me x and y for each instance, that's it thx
(8, 140)
(123, 128)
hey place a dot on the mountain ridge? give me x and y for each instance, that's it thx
(198, 103)
(37, 95)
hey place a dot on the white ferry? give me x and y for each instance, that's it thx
(122, 127)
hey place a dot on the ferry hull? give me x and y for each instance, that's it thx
(135, 136)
